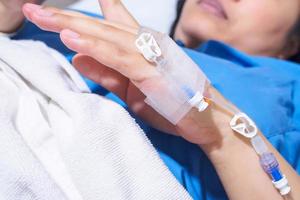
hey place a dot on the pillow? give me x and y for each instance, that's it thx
(156, 14)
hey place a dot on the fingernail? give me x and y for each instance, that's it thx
(43, 13)
(70, 34)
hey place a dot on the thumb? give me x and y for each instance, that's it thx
(115, 11)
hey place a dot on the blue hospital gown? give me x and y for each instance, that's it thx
(267, 89)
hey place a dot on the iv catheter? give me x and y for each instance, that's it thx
(183, 86)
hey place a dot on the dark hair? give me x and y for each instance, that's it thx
(180, 4)
(296, 57)
(178, 13)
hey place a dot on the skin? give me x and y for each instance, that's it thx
(96, 40)
(124, 73)
(11, 14)
(254, 26)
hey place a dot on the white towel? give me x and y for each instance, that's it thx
(59, 141)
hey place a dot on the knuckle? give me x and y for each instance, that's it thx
(127, 61)
(120, 53)
(92, 46)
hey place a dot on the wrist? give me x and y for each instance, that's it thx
(222, 117)
(230, 147)
(228, 141)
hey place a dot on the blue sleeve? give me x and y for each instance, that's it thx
(296, 100)
(259, 88)
(288, 144)
(267, 89)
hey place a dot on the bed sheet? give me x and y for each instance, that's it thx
(156, 14)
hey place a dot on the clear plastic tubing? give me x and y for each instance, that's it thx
(271, 166)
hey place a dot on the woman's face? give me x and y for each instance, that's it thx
(260, 27)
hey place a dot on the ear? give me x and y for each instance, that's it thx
(292, 48)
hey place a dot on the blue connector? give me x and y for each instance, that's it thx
(271, 166)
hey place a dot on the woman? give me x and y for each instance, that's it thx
(234, 160)
(255, 27)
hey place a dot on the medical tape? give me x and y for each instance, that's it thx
(181, 85)
(243, 125)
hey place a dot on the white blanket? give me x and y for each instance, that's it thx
(58, 141)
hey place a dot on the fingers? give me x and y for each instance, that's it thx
(111, 46)
(128, 63)
(101, 74)
(30, 9)
(55, 20)
(115, 11)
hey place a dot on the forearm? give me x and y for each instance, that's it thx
(11, 15)
(238, 167)
(235, 161)
(233, 156)
(11, 18)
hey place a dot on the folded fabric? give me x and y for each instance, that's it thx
(59, 141)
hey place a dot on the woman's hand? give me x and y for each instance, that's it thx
(107, 55)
